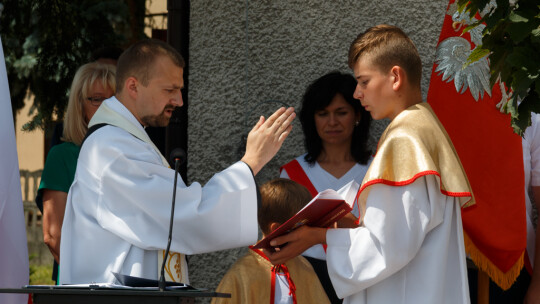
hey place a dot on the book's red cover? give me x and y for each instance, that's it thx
(320, 212)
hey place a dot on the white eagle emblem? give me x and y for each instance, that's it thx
(453, 52)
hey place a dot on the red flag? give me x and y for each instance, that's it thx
(491, 153)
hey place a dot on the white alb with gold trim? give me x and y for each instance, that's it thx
(118, 208)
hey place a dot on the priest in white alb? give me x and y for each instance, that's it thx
(118, 207)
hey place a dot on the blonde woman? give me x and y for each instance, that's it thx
(93, 83)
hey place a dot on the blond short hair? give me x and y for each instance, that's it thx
(387, 46)
(75, 124)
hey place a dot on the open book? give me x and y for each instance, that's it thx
(322, 211)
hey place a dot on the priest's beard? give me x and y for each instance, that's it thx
(160, 120)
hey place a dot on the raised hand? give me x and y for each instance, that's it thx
(266, 138)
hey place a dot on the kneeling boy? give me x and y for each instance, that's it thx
(253, 279)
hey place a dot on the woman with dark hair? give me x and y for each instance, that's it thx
(336, 131)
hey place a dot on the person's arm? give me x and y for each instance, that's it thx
(348, 221)
(54, 205)
(396, 222)
(531, 145)
(533, 293)
(294, 243)
(135, 192)
(266, 137)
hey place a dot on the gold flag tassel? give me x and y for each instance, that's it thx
(503, 279)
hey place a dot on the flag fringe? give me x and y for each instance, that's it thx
(502, 279)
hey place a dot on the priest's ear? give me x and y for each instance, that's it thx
(131, 87)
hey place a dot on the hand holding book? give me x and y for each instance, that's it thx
(322, 211)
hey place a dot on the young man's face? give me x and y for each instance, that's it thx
(374, 89)
(162, 95)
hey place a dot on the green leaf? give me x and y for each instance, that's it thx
(504, 6)
(519, 31)
(477, 54)
(496, 17)
(466, 6)
(531, 103)
(522, 58)
(498, 65)
(517, 17)
(471, 26)
(535, 34)
(521, 82)
(46, 51)
(511, 107)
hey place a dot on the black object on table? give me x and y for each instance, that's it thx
(59, 294)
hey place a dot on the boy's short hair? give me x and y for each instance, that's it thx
(387, 46)
(281, 198)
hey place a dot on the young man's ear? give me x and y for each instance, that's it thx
(398, 76)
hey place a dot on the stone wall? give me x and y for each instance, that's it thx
(249, 57)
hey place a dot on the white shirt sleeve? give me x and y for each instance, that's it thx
(532, 136)
(135, 195)
(119, 207)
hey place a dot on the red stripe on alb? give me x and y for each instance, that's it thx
(410, 181)
(275, 271)
(297, 174)
(259, 252)
(273, 286)
(292, 287)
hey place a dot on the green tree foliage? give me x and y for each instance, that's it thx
(512, 40)
(45, 41)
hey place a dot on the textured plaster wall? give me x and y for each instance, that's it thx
(241, 68)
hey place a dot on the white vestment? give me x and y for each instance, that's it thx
(322, 180)
(531, 165)
(118, 207)
(410, 249)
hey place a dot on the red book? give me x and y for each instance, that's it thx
(326, 208)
